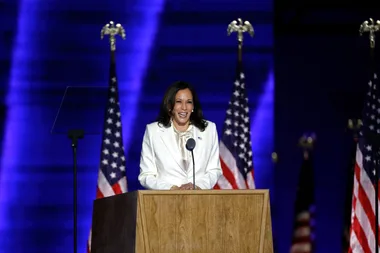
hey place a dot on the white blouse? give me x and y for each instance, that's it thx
(181, 138)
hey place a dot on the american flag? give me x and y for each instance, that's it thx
(111, 176)
(302, 241)
(362, 235)
(235, 145)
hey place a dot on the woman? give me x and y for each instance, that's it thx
(165, 162)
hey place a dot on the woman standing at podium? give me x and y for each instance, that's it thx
(165, 162)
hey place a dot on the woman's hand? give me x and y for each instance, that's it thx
(189, 186)
(174, 187)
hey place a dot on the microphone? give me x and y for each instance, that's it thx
(190, 145)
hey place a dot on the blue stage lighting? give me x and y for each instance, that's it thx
(142, 34)
(15, 133)
(262, 135)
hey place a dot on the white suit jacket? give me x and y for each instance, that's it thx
(160, 167)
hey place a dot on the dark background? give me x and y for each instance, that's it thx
(306, 70)
(321, 70)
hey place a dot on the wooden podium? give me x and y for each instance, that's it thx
(200, 221)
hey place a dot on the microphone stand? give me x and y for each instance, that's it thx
(74, 135)
(192, 155)
(190, 145)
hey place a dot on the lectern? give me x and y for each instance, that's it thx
(195, 221)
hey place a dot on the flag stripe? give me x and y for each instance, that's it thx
(99, 194)
(228, 175)
(104, 187)
(356, 229)
(367, 194)
(363, 222)
(223, 182)
(359, 231)
(357, 247)
(233, 174)
(116, 188)
(250, 180)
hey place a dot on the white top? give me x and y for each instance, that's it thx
(182, 138)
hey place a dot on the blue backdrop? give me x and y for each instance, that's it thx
(320, 76)
(49, 45)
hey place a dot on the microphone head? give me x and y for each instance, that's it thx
(190, 144)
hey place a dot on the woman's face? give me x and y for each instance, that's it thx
(183, 107)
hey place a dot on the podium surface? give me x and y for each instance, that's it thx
(194, 221)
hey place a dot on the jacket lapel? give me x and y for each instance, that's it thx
(168, 139)
(198, 146)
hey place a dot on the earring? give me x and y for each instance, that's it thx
(192, 110)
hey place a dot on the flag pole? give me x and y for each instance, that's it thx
(371, 27)
(240, 28)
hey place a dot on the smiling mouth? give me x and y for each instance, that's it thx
(182, 114)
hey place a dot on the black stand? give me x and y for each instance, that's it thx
(192, 155)
(74, 135)
(81, 111)
(190, 145)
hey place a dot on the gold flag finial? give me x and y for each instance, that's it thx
(307, 141)
(354, 125)
(112, 30)
(240, 27)
(274, 157)
(370, 27)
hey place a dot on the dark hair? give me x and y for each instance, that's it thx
(167, 104)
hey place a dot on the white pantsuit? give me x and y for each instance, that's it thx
(160, 162)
